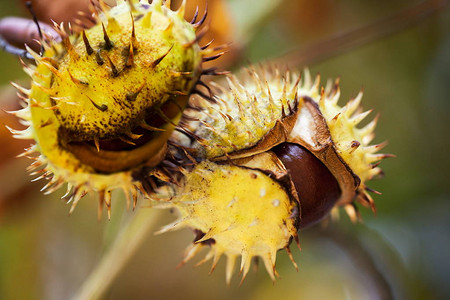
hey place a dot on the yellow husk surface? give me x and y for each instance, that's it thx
(99, 85)
(241, 212)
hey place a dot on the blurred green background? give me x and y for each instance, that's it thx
(401, 252)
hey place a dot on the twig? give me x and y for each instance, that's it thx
(121, 251)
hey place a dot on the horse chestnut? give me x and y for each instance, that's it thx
(318, 190)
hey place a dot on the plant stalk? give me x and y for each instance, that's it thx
(135, 232)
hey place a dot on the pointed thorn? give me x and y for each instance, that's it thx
(99, 58)
(114, 71)
(107, 199)
(52, 69)
(76, 81)
(203, 95)
(196, 25)
(127, 196)
(130, 59)
(194, 19)
(169, 27)
(88, 47)
(108, 44)
(102, 107)
(178, 93)
(206, 87)
(353, 146)
(178, 224)
(21, 89)
(373, 166)
(190, 252)
(134, 195)
(133, 136)
(372, 190)
(132, 96)
(50, 60)
(144, 125)
(162, 115)
(133, 31)
(156, 62)
(207, 45)
(297, 241)
(179, 74)
(205, 59)
(97, 144)
(352, 212)
(336, 117)
(127, 141)
(231, 260)
(216, 258)
(291, 257)
(213, 71)
(210, 234)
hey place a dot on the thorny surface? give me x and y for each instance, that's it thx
(354, 77)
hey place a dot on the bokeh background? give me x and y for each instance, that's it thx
(401, 253)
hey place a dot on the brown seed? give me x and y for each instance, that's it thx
(317, 188)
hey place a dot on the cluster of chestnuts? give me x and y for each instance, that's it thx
(124, 104)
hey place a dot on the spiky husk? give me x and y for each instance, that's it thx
(103, 102)
(264, 109)
(267, 108)
(238, 212)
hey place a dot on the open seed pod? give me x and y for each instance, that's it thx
(287, 128)
(103, 102)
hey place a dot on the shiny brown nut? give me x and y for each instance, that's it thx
(318, 190)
